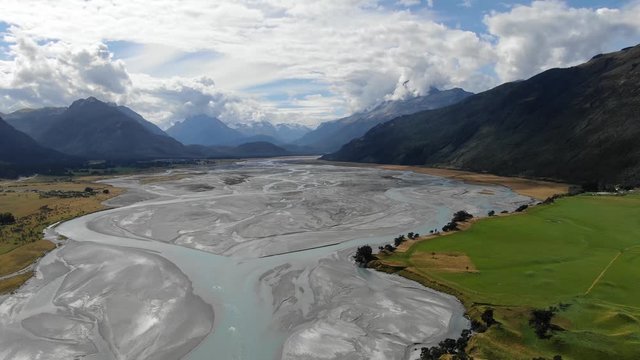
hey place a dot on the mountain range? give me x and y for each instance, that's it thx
(210, 131)
(579, 124)
(331, 135)
(91, 129)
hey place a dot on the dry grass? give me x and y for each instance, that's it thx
(447, 262)
(23, 256)
(35, 208)
(13, 283)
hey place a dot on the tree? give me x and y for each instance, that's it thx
(487, 317)
(7, 218)
(363, 255)
(451, 226)
(105, 191)
(522, 208)
(541, 321)
(410, 235)
(492, 213)
(389, 248)
(461, 215)
(88, 189)
(399, 240)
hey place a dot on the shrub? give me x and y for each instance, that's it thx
(363, 255)
(451, 226)
(7, 218)
(541, 321)
(461, 216)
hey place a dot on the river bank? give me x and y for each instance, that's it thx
(564, 257)
(37, 202)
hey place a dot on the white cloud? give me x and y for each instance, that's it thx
(550, 34)
(54, 73)
(362, 51)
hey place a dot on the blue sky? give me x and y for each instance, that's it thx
(296, 61)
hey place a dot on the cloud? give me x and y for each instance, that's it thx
(356, 53)
(54, 73)
(550, 34)
(359, 48)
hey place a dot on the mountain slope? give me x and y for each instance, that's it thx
(204, 130)
(94, 129)
(36, 122)
(17, 148)
(331, 135)
(579, 124)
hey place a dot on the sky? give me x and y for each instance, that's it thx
(289, 61)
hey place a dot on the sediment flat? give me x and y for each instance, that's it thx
(267, 244)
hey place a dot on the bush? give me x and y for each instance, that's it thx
(541, 321)
(363, 255)
(522, 208)
(7, 218)
(452, 226)
(461, 216)
(399, 240)
(389, 248)
(487, 317)
(457, 348)
(88, 189)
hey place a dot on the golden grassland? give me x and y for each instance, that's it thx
(37, 203)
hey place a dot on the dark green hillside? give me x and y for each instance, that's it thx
(579, 124)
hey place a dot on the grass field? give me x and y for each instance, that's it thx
(37, 203)
(583, 251)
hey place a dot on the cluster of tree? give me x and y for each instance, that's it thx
(456, 348)
(399, 240)
(487, 320)
(461, 216)
(451, 226)
(7, 218)
(603, 187)
(541, 322)
(458, 216)
(388, 247)
(363, 255)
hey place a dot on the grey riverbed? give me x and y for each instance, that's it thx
(249, 260)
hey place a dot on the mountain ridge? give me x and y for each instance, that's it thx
(577, 124)
(331, 135)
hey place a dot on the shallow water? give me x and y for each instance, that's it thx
(267, 244)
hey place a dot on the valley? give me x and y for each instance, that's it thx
(267, 255)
